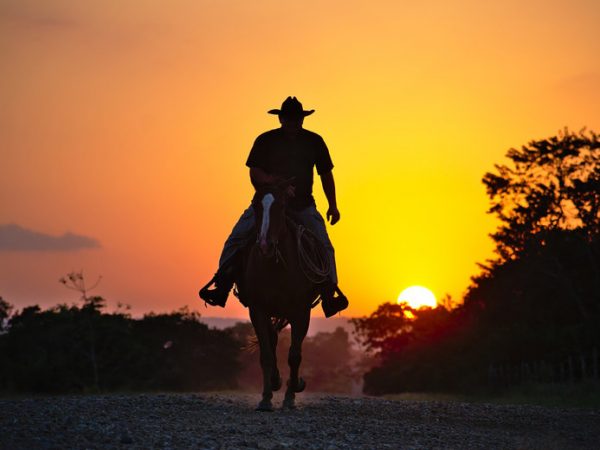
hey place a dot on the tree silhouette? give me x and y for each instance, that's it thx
(5, 310)
(418, 349)
(549, 184)
(548, 202)
(386, 330)
(327, 361)
(91, 310)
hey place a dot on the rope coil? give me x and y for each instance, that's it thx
(314, 260)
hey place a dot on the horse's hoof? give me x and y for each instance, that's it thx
(289, 403)
(265, 406)
(276, 382)
(299, 387)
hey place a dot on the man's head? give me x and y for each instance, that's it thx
(291, 115)
(291, 124)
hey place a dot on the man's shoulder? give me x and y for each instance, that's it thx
(269, 134)
(311, 135)
(314, 140)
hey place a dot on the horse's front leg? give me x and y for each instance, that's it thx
(275, 376)
(295, 383)
(262, 327)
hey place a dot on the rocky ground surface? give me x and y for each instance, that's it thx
(228, 421)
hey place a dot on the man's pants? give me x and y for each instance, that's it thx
(308, 217)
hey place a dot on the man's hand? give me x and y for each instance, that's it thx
(333, 215)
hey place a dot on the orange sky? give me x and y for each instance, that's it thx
(130, 122)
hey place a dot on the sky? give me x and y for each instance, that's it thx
(125, 127)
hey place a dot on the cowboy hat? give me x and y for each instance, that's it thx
(291, 107)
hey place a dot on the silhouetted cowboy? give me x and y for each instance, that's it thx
(288, 152)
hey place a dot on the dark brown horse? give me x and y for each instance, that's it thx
(276, 291)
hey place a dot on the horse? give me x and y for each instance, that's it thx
(275, 288)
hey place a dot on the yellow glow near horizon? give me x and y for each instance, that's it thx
(417, 297)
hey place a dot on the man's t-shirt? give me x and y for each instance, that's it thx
(277, 153)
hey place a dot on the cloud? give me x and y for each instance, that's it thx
(16, 238)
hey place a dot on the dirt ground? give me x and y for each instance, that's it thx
(228, 421)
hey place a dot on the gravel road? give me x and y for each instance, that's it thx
(228, 421)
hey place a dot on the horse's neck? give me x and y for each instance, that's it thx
(287, 237)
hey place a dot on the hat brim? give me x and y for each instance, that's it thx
(277, 112)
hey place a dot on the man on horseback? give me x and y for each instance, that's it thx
(286, 153)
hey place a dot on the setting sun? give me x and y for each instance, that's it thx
(417, 297)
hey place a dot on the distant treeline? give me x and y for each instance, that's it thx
(533, 313)
(82, 348)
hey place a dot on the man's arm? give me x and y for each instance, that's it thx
(333, 215)
(259, 177)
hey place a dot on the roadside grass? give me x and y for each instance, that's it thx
(585, 394)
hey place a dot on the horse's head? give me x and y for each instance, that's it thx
(269, 206)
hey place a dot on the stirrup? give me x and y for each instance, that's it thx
(332, 305)
(213, 296)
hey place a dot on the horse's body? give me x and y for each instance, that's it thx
(273, 286)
